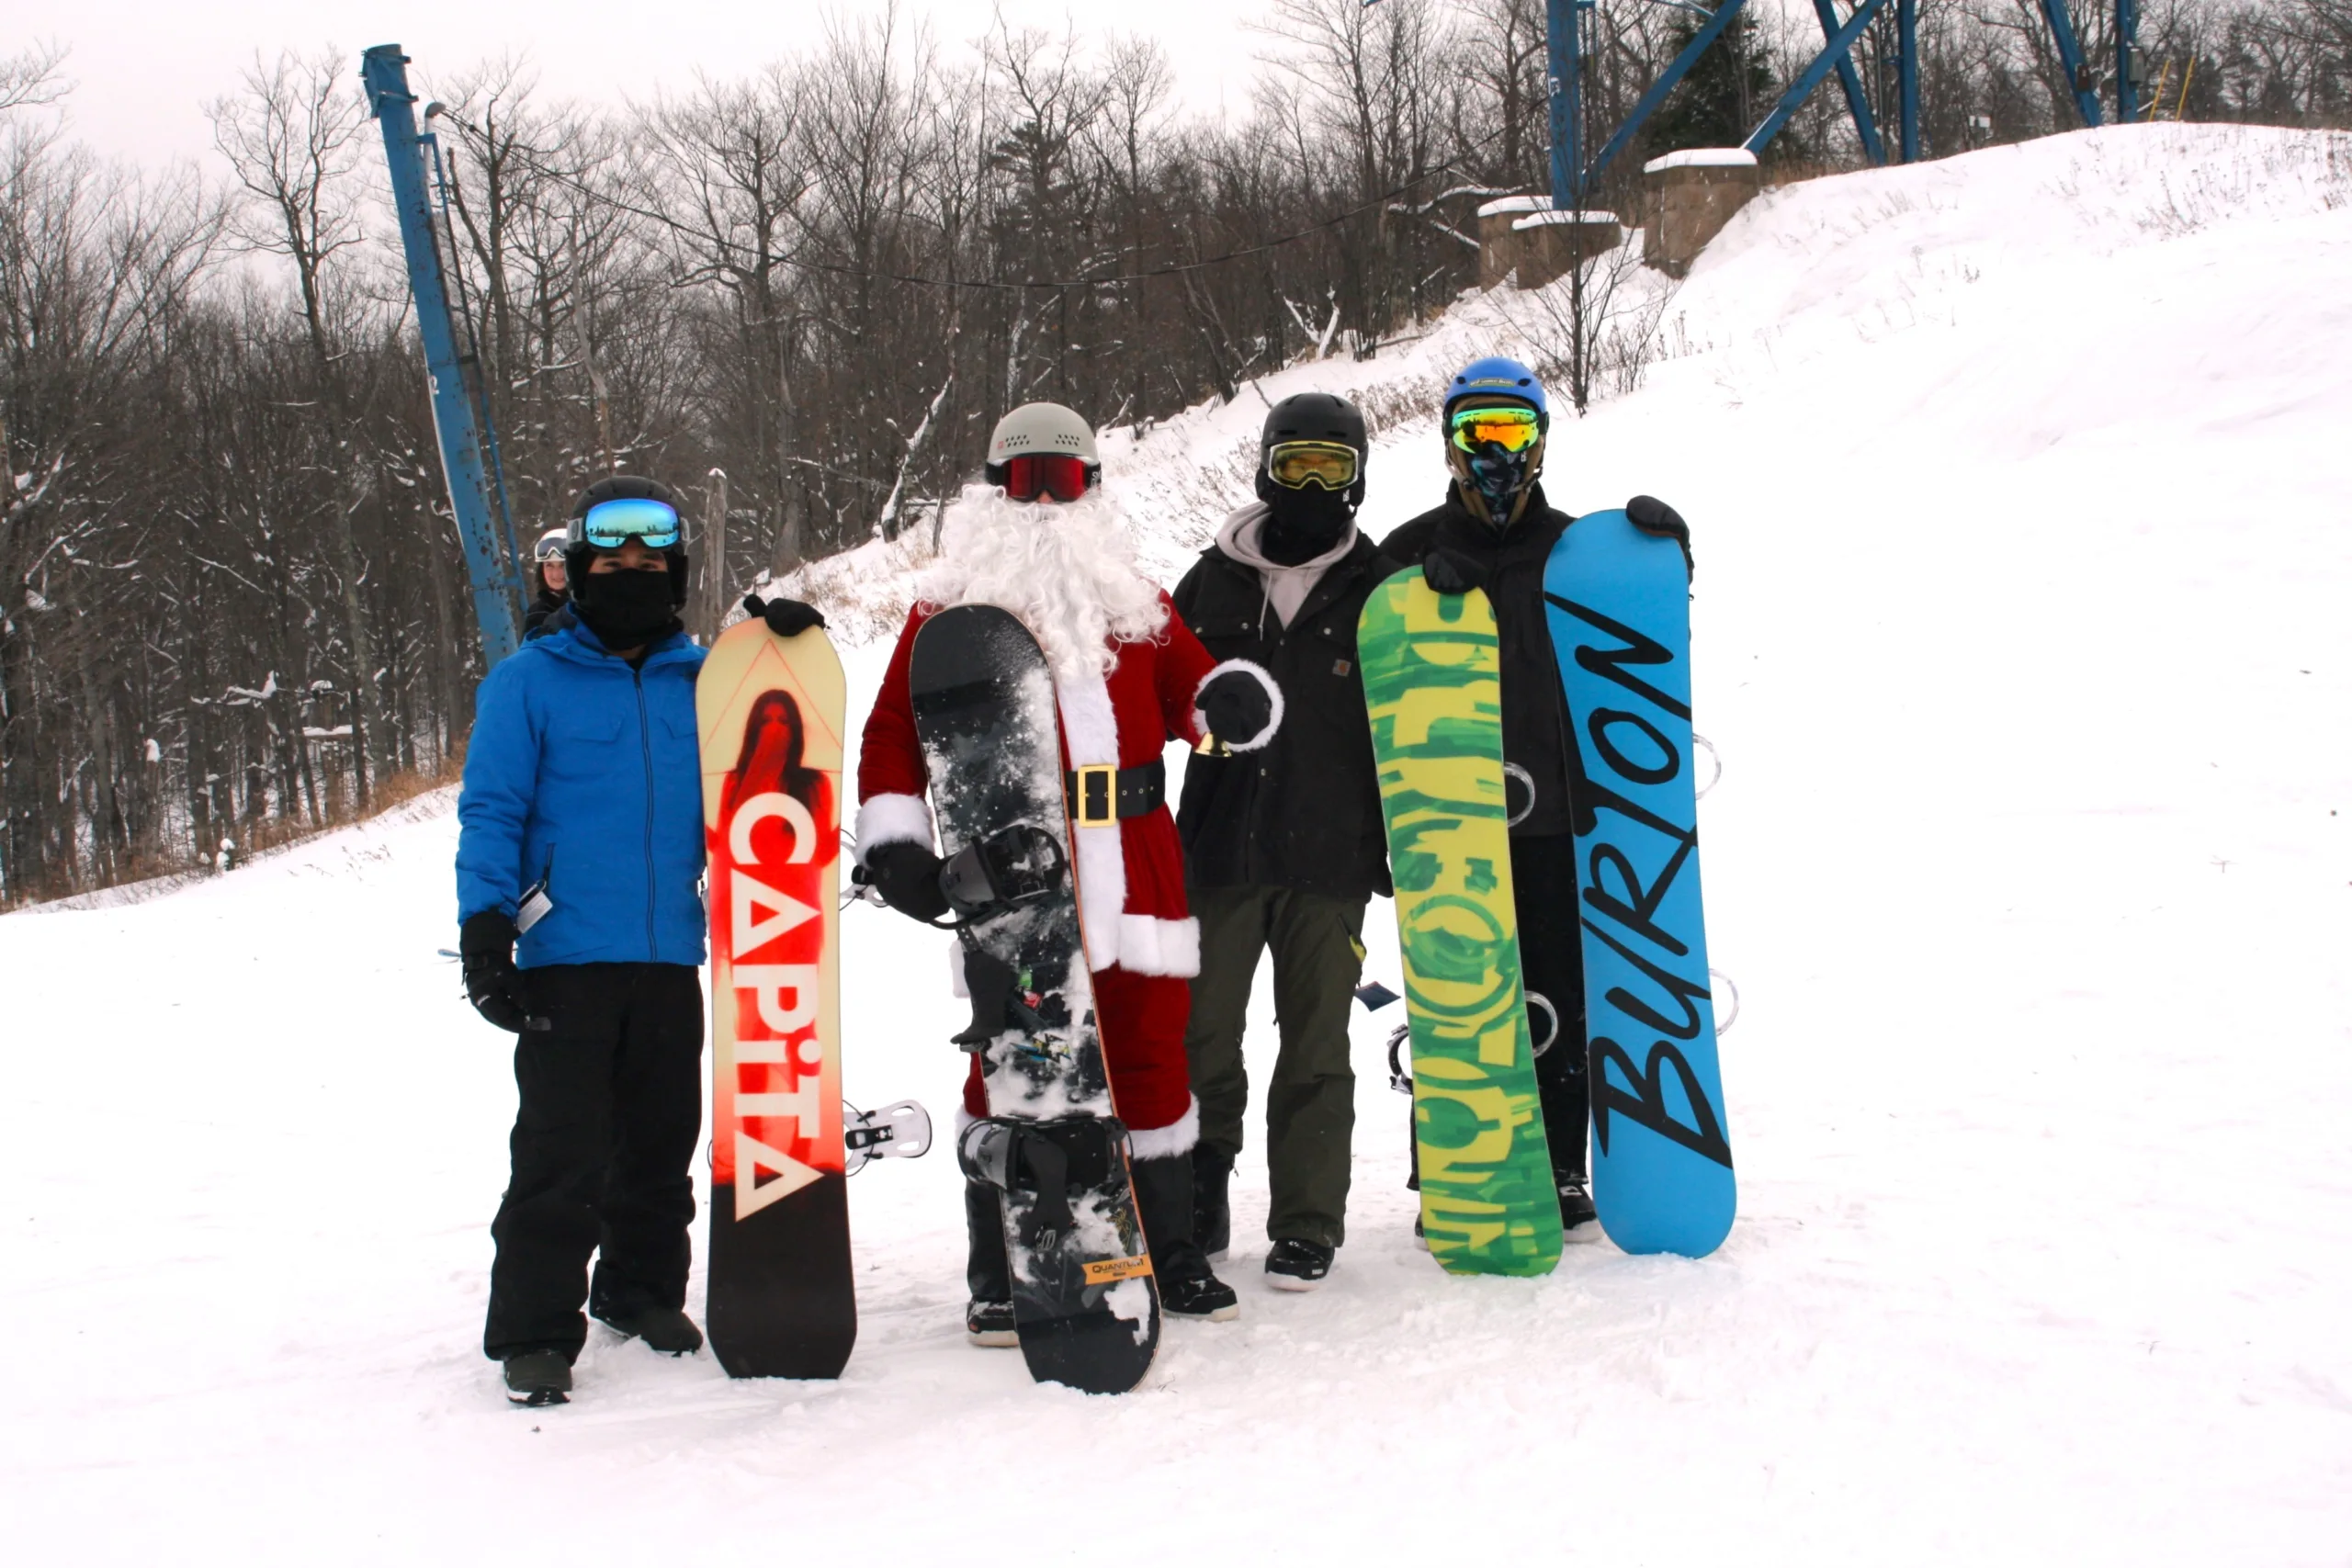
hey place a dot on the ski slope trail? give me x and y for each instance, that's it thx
(2017, 484)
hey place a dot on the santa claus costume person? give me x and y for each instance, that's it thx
(1041, 540)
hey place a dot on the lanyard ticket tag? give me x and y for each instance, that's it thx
(534, 906)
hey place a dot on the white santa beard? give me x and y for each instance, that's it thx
(1066, 569)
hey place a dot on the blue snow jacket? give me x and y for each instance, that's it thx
(588, 775)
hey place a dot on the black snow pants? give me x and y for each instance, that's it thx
(1551, 961)
(611, 1113)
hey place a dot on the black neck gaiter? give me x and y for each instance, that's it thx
(1302, 525)
(626, 609)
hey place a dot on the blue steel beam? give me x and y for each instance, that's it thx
(2069, 59)
(1674, 72)
(1840, 42)
(495, 577)
(1562, 44)
(1857, 102)
(1907, 64)
(2127, 42)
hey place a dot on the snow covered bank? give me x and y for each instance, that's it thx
(2020, 625)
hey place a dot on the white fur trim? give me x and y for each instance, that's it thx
(1274, 695)
(892, 819)
(1090, 729)
(1178, 1137)
(1148, 945)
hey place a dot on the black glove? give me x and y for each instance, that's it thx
(1451, 572)
(486, 953)
(1654, 516)
(907, 875)
(785, 617)
(1237, 708)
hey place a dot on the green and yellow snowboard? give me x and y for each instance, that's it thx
(1431, 677)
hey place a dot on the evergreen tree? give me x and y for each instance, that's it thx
(1719, 102)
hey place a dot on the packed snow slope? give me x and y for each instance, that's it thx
(2018, 482)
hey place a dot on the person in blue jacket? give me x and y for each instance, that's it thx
(580, 855)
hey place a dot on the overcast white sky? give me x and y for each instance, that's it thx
(143, 67)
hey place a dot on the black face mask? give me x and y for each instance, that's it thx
(625, 609)
(1302, 524)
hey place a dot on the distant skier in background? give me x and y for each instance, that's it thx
(581, 834)
(1494, 532)
(549, 582)
(1045, 543)
(1284, 848)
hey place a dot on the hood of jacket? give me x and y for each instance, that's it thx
(1286, 586)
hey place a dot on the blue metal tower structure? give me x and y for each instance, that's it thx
(460, 414)
(1573, 179)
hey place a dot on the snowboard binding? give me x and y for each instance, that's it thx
(1013, 867)
(900, 1130)
(1043, 1162)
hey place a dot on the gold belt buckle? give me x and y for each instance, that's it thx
(1098, 795)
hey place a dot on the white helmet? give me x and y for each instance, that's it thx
(549, 547)
(1035, 430)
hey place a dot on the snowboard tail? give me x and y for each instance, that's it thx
(1084, 1301)
(1432, 676)
(1618, 604)
(782, 1299)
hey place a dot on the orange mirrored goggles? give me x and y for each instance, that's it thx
(1295, 465)
(1512, 429)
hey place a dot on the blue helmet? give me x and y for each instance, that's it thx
(1496, 376)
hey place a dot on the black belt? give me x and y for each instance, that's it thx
(1100, 795)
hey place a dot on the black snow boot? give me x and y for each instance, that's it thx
(1188, 1286)
(1212, 1208)
(988, 1319)
(666, 1329)
(1576, 1199)
(537, 1378)
(1298, 1265)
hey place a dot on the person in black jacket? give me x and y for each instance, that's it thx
(552, 586)
(1495, 532)
(1284, 847)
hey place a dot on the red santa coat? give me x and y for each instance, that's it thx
(1141, 940)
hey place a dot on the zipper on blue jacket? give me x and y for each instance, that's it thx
(645, 742)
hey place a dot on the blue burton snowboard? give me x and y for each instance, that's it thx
(1618, 606)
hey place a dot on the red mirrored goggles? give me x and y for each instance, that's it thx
(1054, 476)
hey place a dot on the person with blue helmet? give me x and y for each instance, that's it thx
(1494, 532)
(580, 855)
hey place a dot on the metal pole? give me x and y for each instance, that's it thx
(2069, 59)
(1802, 88)
(1857, 103)
(2127, 42)
(1673, 74)
(496, 581)
(1906, 46)
(1567, 154)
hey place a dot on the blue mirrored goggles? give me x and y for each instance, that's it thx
(609, 524)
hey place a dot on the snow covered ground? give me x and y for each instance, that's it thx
(2018, 483)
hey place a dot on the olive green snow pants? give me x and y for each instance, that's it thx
(1310, 1099)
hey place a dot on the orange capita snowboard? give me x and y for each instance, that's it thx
(782, 1296)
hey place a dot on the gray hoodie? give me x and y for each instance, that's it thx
(1286, 586)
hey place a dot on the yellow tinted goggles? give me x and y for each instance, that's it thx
(1295, 465)
(1512, 429)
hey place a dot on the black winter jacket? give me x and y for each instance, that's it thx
(1305, 812)
(1535, 711)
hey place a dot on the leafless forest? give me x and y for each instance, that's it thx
(235, 604)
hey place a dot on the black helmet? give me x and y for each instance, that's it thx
(628, 487)
(1314, 416)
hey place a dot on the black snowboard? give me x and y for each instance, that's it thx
(1083, 1298)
